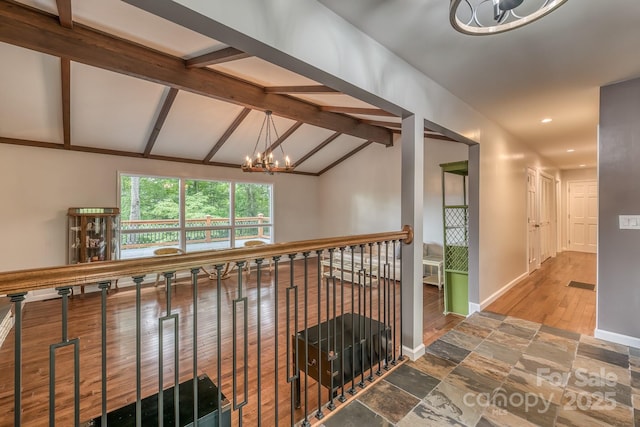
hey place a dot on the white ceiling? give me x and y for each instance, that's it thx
(550, 68)
(111, 111)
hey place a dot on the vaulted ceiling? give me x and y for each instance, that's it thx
(103, 76)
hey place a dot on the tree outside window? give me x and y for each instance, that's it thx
(156, 213)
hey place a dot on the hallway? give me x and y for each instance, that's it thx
(544, 297)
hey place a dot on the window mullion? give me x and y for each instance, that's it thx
(182, 216)
(232, 213)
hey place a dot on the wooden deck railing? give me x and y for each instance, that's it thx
(153, 232)
(256, 339)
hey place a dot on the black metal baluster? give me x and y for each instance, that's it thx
(392, 302)
(138, 281)
(331, 320)
(64, 292)
(275, 332)
(293, 377)
(219, 268)
(194, 282)
(104, 286)
(176, 388)
(386, 307)
(353, 389)
(362, 314)
(370, 338)
(305, 422)
(342, 398)
(259, 338)
(17, 300)
(319, 414)
(380, 278)
(400, 357)
(240, 299)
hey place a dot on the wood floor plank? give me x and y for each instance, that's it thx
(42, 326)
(544, 296)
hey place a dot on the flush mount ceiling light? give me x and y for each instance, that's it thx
(546, 120)
(482, 17)
(570, 150)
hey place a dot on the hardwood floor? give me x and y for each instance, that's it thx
(42, 326)
(544, 297)
(434, 323)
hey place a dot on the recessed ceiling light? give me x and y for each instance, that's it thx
(570, 150)
(582, 166)
(547, 120)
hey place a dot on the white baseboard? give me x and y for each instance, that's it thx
(414, 353)
(473, 307)
(484, 304)
(617, 338)
(41, 295)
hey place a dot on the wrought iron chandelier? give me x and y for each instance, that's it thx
(482, 17)
(262, 159)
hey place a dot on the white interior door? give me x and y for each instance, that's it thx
(583, 216)
(547, 208)
(532, 220)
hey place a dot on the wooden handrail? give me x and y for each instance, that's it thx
(14, 282)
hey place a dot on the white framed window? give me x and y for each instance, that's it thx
(192, 214)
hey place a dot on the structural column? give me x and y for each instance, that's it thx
(412, 171)
(474, 228)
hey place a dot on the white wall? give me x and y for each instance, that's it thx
(582, 174)
(366, 188)
(39, 185)
(436, 153)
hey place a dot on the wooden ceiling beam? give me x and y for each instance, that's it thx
(381, 123)
(225, 136)
(31, 29)
(65, 80)
(284, 136)
(95, 150)
(345, 157)
(162, 116)
(311, 89)
(357, 110)
(64, 13)
(316, 149)
(216, 57)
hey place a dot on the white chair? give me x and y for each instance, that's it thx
(253, 244)
(166, 252)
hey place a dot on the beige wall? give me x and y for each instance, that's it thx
(39, 185)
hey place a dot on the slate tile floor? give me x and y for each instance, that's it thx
(493, 370)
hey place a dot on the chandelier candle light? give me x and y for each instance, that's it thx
(482, 17)
(262, 159)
